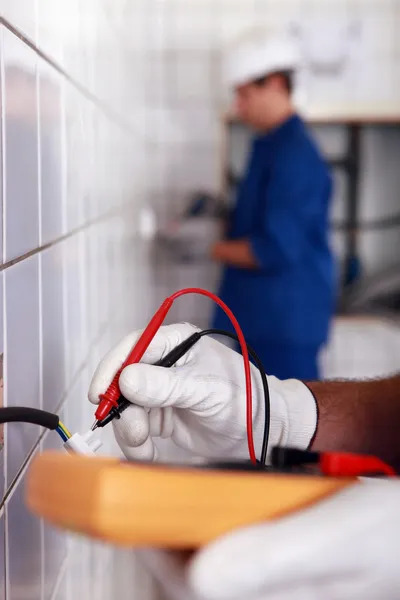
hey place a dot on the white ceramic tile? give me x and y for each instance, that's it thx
(73, 412)
(21, 147)
(53, 314)
(2, 150)
(92, 242)
(24, 548)
(193, 77)
(90, 197)
(101, 586)
(76, 180)
(51, 153)
(75, 339)
(234, 20)
(79, 572)
(195, 27)
(21, 14)
(51, 28)
(129, 572)
(196, 169)
(89, 18)
(55, 540)
(86, 377)
(71, 37)
(103, 272)
(22, 364)
(63, 588)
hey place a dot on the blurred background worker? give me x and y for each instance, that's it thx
(279, 271)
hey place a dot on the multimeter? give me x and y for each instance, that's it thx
(176, 506)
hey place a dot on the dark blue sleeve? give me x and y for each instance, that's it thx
(295, 208)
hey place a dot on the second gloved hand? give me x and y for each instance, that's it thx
(342, 548)
(200, 404)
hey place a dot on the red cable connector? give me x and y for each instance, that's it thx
(332, 464)
(341, 464)
(109, 399)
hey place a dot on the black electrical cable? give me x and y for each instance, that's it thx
(259, 365)
(22, 414)
(35, 416)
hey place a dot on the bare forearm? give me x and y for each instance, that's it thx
(237, 253)
(359, 417)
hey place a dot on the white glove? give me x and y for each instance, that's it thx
(344, 548)
(199, 405)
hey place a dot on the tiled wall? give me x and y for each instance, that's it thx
(73, 276)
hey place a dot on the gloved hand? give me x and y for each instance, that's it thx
(199, 405)
(344, 548)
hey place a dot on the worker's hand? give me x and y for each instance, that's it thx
(199, 405)
(344, 548)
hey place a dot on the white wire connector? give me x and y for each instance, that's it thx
(84, 444)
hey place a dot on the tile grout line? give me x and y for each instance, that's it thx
(3, 148)
(126, 126)
(3, 474)
(40, 269)
(6, 557)
(64, 160)
(61, 573)
(105, 109)
(3, 254)
(64, 237)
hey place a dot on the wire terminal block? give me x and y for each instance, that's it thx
(85, 444)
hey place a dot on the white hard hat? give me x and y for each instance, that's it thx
(257, 55)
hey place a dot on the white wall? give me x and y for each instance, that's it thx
(74, 274)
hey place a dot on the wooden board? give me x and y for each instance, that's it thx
(133, 504)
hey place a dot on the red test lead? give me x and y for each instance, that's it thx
(109, 399)
(331, 464)
(342, 464)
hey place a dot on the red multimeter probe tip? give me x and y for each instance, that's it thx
(110, 398)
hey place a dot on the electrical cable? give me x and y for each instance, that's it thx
(264, 380)
(64, 429)
(245, 355)
(62, 434)
(110, 398)
(35, 416)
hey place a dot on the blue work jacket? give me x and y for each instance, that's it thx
(282, 208)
